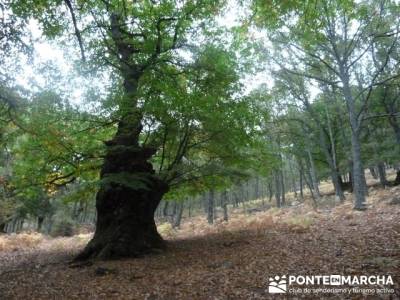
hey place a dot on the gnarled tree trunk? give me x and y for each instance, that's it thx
(129, 191)
(127, 199)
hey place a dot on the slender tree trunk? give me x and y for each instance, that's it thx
(277, 189)
(210, 207)
(301, 171)
(335, 177)
(314, 182)
(205, 202)
(338, 187)
(247, 190)
(190, 200)
(328, 149)
(397, 179)
(165, 209)
(393, 119)
(270, 191)
(224, 198)
(283, 191)
(293, 178)
(373, 172)
(312, 193)
(85, 211)
(359, 182)
(243, 197)
(2, 227)
(396, 128)
(178, 215)
(294, 188)
(350, 178)
(382, 174)
(174, 211)
(40, 223)
(263, 194)
(236, 199)
(358, 175)
(20, 225)
(257, 188)
(11, 226)
(75, 211)
(330, 156)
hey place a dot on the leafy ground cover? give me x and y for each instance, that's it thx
(226, 261)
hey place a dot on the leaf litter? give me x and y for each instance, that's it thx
(226, 261)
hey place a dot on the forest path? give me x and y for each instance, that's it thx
(227, 262)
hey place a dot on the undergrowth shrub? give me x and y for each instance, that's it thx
(260, 224)
(63, 227)
(166, 229)
(299, 223)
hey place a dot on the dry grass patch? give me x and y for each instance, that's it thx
(301, 223)
(30, 241)
(20, 241)
(259, 225)
(166, 230)
(66, 243)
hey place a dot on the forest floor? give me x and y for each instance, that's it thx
(231, 260)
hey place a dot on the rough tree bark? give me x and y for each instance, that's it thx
(359, 182)
(125, 215)
(129, 190)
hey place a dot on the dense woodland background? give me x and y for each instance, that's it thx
(325, 109)
(223, 142)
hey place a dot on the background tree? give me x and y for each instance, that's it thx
(325, 47)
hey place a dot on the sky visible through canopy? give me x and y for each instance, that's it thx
(46, 53)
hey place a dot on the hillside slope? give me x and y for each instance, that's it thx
(226, 261)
